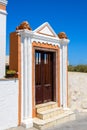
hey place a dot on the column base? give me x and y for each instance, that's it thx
(28, 123)
(66, 108)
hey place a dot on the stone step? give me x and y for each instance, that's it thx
(57, 120)
(50, 113)
(46, 106)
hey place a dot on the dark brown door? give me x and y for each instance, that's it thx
(43, 76)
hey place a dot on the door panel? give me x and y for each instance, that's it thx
(43, 76)
(38, 87)
(47, 77)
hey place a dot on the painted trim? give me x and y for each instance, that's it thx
(50, 28)
(39, 38)
(61, 82)
(43, 38)
(3, 12)
(2, 7)
(45, 34)
(58, 73)
(43, 46)
(19, 77)
(46, 25)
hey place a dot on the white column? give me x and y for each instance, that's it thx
(27, 120)
(22, 77)
(61, 76)
(3, 14)
(64, 75)
(25, 86)
(63, 72)
(29, 81)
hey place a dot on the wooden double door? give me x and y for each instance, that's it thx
(43, 76)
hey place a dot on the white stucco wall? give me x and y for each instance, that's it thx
(2, 42)
(8, 103)
(77, 91)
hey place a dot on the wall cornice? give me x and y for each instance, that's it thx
(42, 38)
(64, 41)
(3, 2)
(3, 12)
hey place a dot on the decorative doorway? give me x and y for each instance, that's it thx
(41, 61)
(43, 76)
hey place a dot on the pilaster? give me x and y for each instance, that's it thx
(63, 73)
(61, 76)
(64, 83)
(26, 48)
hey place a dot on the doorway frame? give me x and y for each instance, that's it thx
(56, 51)
(53, 75)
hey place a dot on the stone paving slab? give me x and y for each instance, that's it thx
(22, 128)
(79, 124)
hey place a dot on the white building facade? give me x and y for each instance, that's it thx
(40, 59)
(3, 14)
(41, 48)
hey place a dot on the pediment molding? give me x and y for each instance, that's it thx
(46, 29)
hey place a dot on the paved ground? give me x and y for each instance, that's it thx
(79, 124)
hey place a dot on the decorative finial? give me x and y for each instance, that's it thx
(62, 35)
(24, 25)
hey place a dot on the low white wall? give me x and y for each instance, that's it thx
(77, 91)
(8, 103)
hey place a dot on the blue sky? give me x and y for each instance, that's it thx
(69, 16)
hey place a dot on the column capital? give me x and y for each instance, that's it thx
(25, 33)
(64, 41)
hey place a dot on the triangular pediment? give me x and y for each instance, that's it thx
(46, 29)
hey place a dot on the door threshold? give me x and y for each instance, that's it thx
(45, 104)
